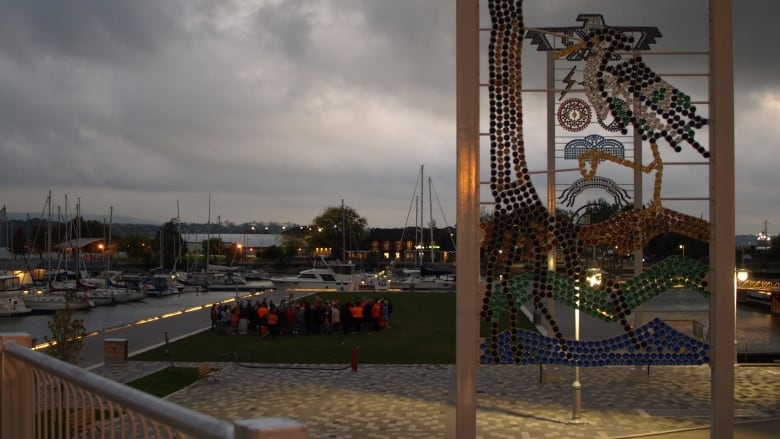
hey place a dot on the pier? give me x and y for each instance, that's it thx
(760, 291)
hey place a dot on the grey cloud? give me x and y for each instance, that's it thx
(85, 30)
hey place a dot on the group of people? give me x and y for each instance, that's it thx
(315, 316)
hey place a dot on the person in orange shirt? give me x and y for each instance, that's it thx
(273, 323)
(357, 316)
(234, 316)
(262, 314)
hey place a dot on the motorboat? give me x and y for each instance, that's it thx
(425, 278)
(324, 275)
(159, 285)
(11, 301)
(40, 301)
(256, 274)
(417, 282)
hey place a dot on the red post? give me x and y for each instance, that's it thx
(355, 358)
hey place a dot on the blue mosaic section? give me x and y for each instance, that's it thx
(655, 343)
(578, 147)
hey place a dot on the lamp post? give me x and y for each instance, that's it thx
(576, 385)
(740, 275)
(682, 248)
(593, 279)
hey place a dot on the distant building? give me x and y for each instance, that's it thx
(250, 243)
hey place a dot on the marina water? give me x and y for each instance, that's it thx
(105, 317)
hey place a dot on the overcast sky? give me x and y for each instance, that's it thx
(281, 108)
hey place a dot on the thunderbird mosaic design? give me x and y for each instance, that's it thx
(522, 229)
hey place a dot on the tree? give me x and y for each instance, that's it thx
(172, 243)
(214, 245)
(136, 244)
(337, 226)
(67, 335)
(20, 244)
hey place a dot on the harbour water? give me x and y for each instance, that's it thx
(105, 317)
(757, 331)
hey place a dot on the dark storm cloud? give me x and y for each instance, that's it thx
(755, 62)
(84, 30)
(282, 107)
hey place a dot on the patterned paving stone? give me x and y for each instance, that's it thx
(415, 401)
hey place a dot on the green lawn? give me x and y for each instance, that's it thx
(166, 381)
(422, 332)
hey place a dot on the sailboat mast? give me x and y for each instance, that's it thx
(48, 235)
(208, 236)
(422, 213)
(162, 248)
(108, 246)
(430, 215)
(78, 238)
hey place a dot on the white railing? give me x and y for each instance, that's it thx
(42, 397)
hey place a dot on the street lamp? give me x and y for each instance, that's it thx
(682, 247)
(740, 275)
(593, 279)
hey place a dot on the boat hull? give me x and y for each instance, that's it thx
(13, 305)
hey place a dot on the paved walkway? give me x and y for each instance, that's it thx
(416, 401)
(389, 401)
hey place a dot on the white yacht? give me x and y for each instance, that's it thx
(324, 275)
(11, 301)
(40, 301)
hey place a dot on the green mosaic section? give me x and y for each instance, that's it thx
(603, 301)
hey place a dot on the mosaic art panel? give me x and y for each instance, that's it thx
(630, 95)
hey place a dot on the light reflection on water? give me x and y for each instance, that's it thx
(104, 317)
(757, 330)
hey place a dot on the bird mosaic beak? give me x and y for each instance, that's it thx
(571, 49)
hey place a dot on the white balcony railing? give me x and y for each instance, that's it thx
(42, 397)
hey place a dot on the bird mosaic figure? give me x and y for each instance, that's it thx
(633, 94)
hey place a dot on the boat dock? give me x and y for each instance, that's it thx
(760, 291)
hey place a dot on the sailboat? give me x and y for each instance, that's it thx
(424, 276)
(48, 298)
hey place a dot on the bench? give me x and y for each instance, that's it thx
(207, 373)
(81, 421)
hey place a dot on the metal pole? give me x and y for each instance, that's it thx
(722, 257)
(549, 376)
(576, 385)
(467, 332)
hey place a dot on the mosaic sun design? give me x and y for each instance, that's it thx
(521, 229)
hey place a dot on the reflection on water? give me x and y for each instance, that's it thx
(757, 330)
(110, 316)
(686, 310)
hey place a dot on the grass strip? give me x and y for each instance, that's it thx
(166, 381)
(422, 332)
